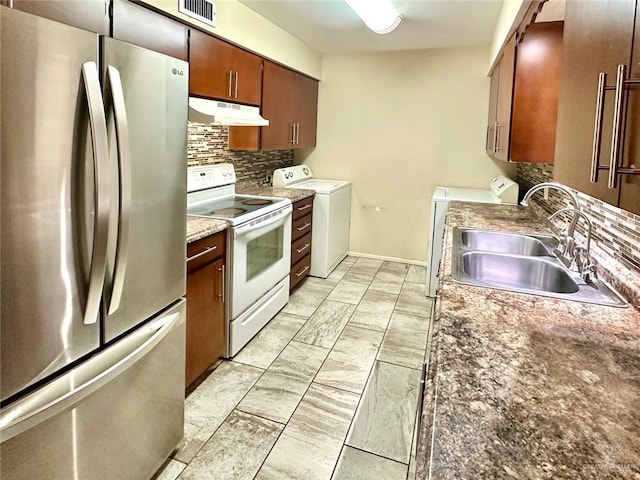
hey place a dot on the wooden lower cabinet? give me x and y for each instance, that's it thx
(301, 241)
(206, 335)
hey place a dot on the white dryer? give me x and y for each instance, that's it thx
(501, 190)
(331, 216)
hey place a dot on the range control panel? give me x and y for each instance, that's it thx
(284, 177)
(209, 176)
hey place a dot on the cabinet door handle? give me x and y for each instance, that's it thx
(230, 83)
(301, 272)
(221, 270)
(495, 137)
(306, 207)
(293, 134)
(597, 129)
(236, 89)
(303, 227)
(303, 248)
(297, 133)
(617, 127)
(209, 249)
(486, 140)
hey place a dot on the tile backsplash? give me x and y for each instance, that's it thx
(207, 144)
(615, 231)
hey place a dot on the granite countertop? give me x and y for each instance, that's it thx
(294, 194)
(200, 227)
(524, 386)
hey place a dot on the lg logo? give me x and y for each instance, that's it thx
(175, 71)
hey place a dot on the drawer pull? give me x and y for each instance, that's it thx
(204, 252)
(302, 249)
(307, 206)
(301, 272)
(303, 227)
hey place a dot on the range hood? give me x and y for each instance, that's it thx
(217, 112)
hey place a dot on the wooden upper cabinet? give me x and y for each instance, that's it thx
(305, 111)
(290, 103)
(278, 107)
(499, 123)
(630, 184)
(598, 36)
(503, 107)
(535, 96)
(139, 26)
(220, 70)
(92, 15)
(490, 145)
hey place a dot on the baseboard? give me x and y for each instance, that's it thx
(389, 259)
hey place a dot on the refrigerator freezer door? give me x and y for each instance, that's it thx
(118, 415)
(146, 267)
(48, 197)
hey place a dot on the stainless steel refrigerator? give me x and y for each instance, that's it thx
(93, 205)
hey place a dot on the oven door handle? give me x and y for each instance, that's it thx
(255, 226)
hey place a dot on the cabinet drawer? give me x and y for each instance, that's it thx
(299, 271)
(300, 248)
(205, 250)
(302, 207)
(300, 227)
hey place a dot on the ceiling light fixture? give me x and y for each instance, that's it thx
(379, 15)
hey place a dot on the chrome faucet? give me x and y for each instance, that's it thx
(566, 190)
(557, 186)
(577, 255)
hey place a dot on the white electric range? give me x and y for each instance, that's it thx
(258, 248)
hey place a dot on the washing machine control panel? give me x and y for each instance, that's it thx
(284, 177)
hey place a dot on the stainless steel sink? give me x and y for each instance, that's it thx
(517, 272)
(523, 264)
(514, 243)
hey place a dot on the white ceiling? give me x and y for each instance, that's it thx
(330, 26)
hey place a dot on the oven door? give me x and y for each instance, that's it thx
(260, 258)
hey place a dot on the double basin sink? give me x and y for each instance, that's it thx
(522, 263)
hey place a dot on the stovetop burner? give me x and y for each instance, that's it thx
(257, 201)
(228, 212)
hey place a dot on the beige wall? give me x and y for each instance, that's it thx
(244, 27)
(510, 15)
(398, 124)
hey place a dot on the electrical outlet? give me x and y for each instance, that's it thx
(545, 193)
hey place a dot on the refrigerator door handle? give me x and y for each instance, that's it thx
(98, 125)
(58, 397)
(124, 167)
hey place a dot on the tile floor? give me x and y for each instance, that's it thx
(327, 390)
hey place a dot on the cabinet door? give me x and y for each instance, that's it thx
(139, 26)
(630, 184)
(277, 107)
(535, 95)
(305, 110)
(503, 108)
(247, 81)
(92, 15)
(490, 143)
(597, 38)
(205, 319)
(210, 73)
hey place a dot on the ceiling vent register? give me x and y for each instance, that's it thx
(203, 10)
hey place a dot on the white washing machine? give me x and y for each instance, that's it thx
(331, 216)
(501, 190)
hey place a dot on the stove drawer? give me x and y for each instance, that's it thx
(301, 227)
(300, 248)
